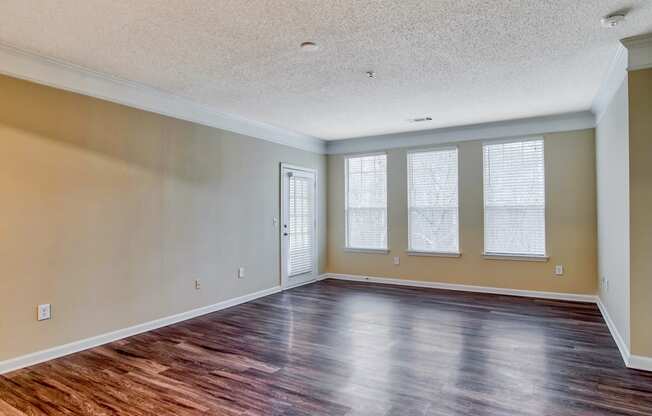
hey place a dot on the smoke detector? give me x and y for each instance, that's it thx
(612, 20)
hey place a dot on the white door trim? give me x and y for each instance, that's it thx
(286, 282)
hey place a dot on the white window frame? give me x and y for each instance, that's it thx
(410, 251)
(347, 246)
(510, 256)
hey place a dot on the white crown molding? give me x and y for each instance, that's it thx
(485, 131)
(464, 288)
(42, 70)
(640, 51)
(73, 347)
(613, 80)
(47, 71)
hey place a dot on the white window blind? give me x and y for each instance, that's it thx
(514, 198)
(366, 202)
(433, 210)
(301, 225)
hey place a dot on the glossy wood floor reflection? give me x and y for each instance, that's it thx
(340, 348)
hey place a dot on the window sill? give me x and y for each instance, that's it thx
(432, 254)
(366, 250)
(514, 257)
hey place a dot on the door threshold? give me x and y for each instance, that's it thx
(315, 280)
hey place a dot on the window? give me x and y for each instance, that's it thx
(433, 206)
(514, 198)
(366, 202)
(301, 221)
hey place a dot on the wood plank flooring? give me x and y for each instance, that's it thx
(342, 348)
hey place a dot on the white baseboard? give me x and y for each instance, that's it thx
(639, 362)
(62, 350)
(636, 362)
(631, 361)
(620, 342)
(466, 288)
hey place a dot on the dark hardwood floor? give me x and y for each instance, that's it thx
(340, 348)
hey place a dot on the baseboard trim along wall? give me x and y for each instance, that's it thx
(635, 362)
(631, 361)
(620, 342)
(465, 288)
(638, 362)
(77, 346)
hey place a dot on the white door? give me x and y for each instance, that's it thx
(298, 225)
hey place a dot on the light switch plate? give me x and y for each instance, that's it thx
(397, 260)
(559, 270)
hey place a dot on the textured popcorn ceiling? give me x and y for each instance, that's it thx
(459, 61)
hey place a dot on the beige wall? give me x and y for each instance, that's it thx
(640, 181)
(571, 224)
(110, 214)
(612, 167)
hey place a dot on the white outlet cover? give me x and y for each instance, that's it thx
(241, 272)
(559, 270)
(44, 312)
(397, 260)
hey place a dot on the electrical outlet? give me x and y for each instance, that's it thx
(44, 312)
(397, 260)
(559, 270)
(241, 273)
(197, 284)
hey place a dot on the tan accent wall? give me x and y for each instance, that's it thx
(640, 182)
(571, 224)
(110, 214)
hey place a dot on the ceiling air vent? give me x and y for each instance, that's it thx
(420, 119)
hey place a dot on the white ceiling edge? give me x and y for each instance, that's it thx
(640, 52)
(615, 76)
(485, 131)
(42, 70)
